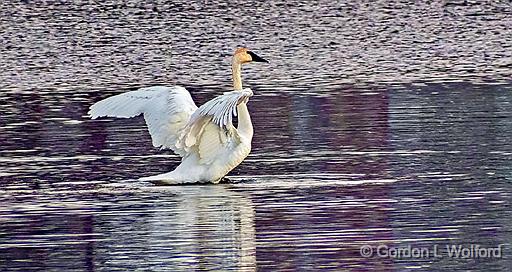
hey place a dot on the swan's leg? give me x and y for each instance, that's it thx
(225, 180)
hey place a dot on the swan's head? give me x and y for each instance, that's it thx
(244, 55)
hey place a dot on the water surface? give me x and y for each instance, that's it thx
(375, 123)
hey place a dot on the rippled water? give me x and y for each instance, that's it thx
(376, 124)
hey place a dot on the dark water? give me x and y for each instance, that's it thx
(375, 124)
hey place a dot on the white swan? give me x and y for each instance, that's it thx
(205, 138)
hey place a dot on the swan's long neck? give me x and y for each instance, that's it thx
(244, 118)
(237, 74)
(244, 121)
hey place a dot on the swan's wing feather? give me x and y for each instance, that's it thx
(210, 144)
(166, 111)
(210, 130)
(223, 108)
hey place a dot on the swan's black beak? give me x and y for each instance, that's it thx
(256, 58)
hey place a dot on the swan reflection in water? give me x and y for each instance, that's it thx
(200, 227)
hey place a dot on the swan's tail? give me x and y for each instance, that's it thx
(166, 179)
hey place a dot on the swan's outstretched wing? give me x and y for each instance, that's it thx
(210, 131)
(166, 111)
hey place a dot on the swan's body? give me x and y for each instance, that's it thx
(205, 138)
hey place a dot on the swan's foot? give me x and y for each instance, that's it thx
(225, 180)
